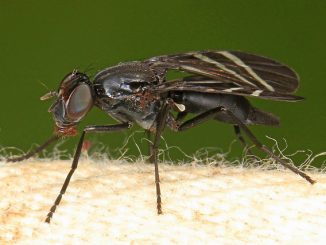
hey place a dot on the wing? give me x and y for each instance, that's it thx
(232, 71)
(207, 85)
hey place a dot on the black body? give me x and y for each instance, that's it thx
(213, 85)
(128, 92)
(124, 92)
(197, 102)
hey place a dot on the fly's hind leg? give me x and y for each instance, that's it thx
(267, 150)
(237, 131)
(210, 114)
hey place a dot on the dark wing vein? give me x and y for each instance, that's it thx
(206, 85)
(249, 71)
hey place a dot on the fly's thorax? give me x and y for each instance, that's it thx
(124, 92)
(133, 108)
(123, 82)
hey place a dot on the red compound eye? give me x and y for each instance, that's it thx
(79, 102)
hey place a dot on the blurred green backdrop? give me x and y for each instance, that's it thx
(41, 41)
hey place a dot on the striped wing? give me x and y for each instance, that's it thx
(230, 72)
(206, 85)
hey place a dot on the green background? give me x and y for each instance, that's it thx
(41, 41)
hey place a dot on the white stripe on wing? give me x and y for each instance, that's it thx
(239, 62)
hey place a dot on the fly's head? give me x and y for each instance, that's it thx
(74, 99)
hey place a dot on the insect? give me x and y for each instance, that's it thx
(213, 86)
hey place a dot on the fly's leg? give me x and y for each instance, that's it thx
(34, 152)
(87, 129)
(169, 120)
(267, 150)
(160, 124)
(214, 112)
(237, 131)
(181, 115)
(203, 117)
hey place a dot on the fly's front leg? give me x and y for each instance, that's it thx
(87, 129)
(34, 152)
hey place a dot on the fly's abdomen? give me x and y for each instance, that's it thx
(196, 103)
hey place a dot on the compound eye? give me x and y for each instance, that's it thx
(79, 102)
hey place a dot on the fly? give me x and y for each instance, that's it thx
(214, 86)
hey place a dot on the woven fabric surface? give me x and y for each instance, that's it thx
(116, 203)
